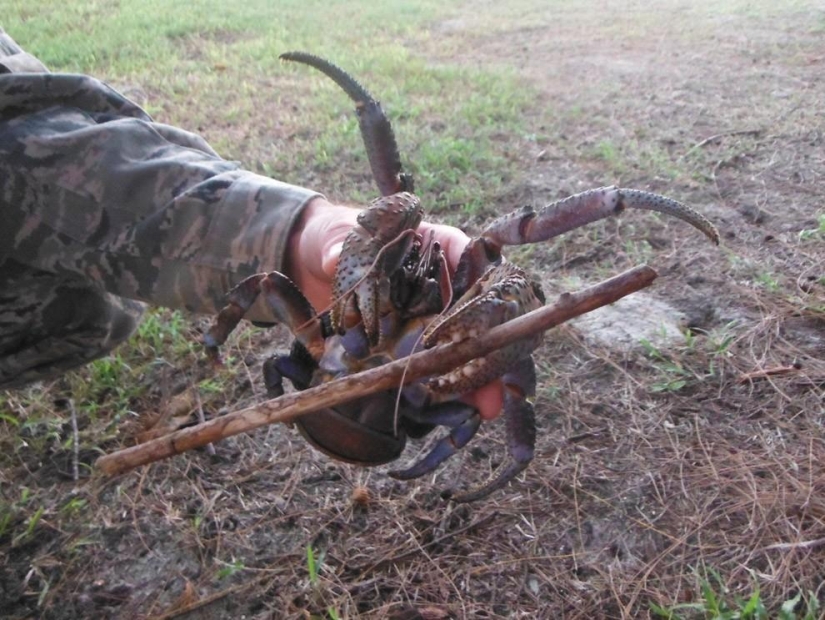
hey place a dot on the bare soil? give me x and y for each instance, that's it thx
(653, 466)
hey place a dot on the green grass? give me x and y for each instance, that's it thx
(213, 67)
(817, 233)
(106, 394)
(155, 36)
(19, 518)
(230, 569)
(719, 603)
(315, 561)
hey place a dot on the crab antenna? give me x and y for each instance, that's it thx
(376, 130)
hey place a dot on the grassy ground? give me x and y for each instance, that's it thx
(668, 480)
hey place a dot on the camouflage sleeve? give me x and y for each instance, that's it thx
(15, 60)
(90, 186)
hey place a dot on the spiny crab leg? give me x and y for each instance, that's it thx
(285, 301)
(379, 139)
(527, 225)
(520, 418)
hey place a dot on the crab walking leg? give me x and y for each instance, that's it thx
(284, 299)
(376, 130)
(463, 419)
(519, 416)
(239, 301)
(526, 225)
(297, 367)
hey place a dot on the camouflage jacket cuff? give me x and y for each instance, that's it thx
(207, 249)
(14, 60)
(261, 213)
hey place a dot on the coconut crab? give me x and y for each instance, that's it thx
(392, 296)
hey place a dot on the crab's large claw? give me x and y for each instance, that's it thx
(502, 294)
(464, 421)
(376, 130)
(529, 226)
(287, 303)
(370, 254)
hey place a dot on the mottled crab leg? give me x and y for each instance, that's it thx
(288, 305)
(372, 250)
(376, 130)
(239, 301)
(464, 421)
(527, 225)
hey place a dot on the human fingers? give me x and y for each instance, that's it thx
(487, 399)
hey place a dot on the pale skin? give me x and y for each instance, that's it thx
(315, 245)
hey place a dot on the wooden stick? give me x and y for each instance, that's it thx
(431, 362)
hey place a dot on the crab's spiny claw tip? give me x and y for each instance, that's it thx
(638, 199)
(349, 84)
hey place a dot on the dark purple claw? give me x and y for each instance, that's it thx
(464, 421)
(519, 384)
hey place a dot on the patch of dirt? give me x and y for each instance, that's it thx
(629, 321)
(651, 465)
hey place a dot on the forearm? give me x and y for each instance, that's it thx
(197, 247)
(93, 189)
(187, 253)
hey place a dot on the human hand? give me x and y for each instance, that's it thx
(315, 245)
